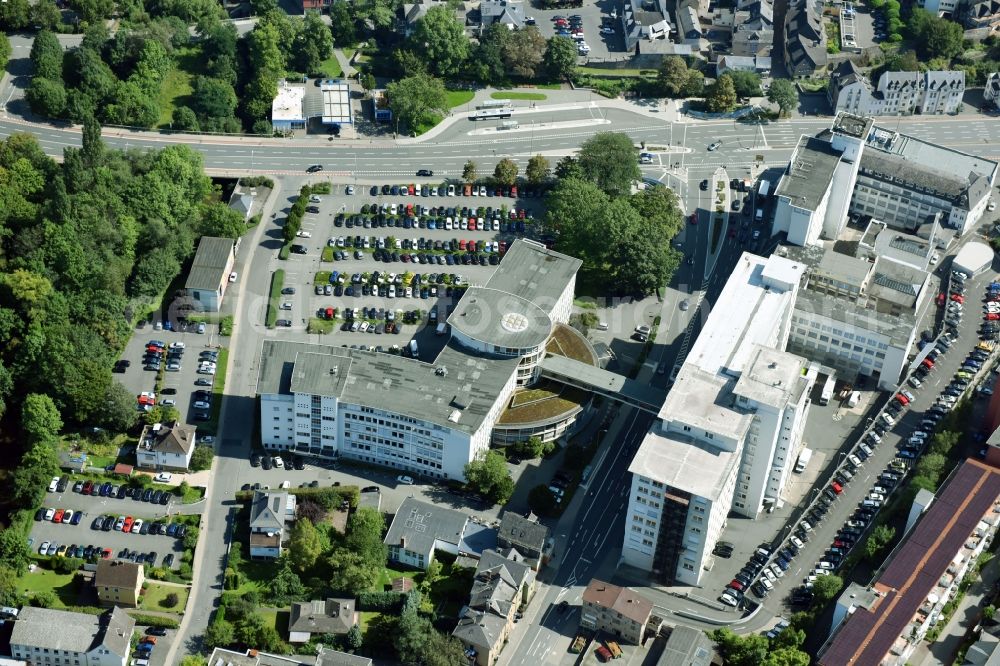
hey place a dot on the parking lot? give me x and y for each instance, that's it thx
(335, 212)
(593, 19)
(92, 507)
(178, 386)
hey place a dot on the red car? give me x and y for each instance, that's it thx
(927, 363)
(461, 245)
(87, 485)
(57, 517)
(836, 487)
(903, 400)
(329, 313)
(958, 298)
(127, 527)
(513, 191)
(503, 246)
(410, 189)
(992, 316)
(472, 224)
(106, 554)
(736, 585)
(940, 299)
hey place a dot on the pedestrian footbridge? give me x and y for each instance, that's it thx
(602, 382)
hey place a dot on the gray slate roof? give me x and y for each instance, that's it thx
(77, 632)
(519, 531)
(208, 270)
(687, 647)
(332, 616)
(805, 39)
(268, 510)
(496, 589)
(417, 525)
(468, 385)
(329, 657)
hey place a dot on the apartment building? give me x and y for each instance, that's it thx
(884, 622)
(617, 611)
(62, 638)
(897, 93)
(119, 583)
(805, 39)
(432, 418)
(857, 168)
(729, 429)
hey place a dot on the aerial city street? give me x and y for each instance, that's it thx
(500, 333)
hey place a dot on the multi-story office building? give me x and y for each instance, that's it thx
(729, 429)
(858, 168)
(427, 418)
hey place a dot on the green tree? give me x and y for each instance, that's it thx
(305, 546)
(94, 11)
(441, 40)
(609, 160)
(184, 119)
(46, 15)
(342, 24)
(354, 639)
(569, 167)
(14, 551)
(931, 465)
(5, 51)
(782, 92)
(746, 84)
(827, 587)
(40, 419)
(749, 650)
(352, 573)
(193, 660)
(47, 56)
(695, 84)
(936, 37)
(506, 171)
(255, 630)
(989, 612)
(364, 535)
(787, 657)
(202, 458)
(538, 170)
(488, 474)
(285, 586)
(118, 412)
(672, 77)
(722, 95)
(214, 98)
(367, 79)
(469, 172)
(879, 538)
(47, 97)
(44, 599)
(524, 51)
(15, 15)
(416, 97)
(313, 44)
(218, 219)
(38, 465)
(10, 593)
(560, 57)
(542, 501)
(945, 441)
(220, 633)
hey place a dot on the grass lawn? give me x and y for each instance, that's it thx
(331, 67)
(176, 88)
(534, 97)
(549, 86)
(617, 73)
(212, 425)
(99, 454)
(256, 575)
(277, 619)
(365, 618)
(458, 97)
(156, 593)
(44, 580)
(320, 326)
(321, 278)
(388, 574)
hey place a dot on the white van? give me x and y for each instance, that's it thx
(414, 350)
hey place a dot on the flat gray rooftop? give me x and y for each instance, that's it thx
(898, 328)
(456, 390)
(535, 273)
(809, 173)
(684, 463)
(501, 319)
(844, 267)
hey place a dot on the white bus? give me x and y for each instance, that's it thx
(494, 104)
(488, 114)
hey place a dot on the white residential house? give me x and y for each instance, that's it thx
(166, 446)
(270, 513)
(897, 93)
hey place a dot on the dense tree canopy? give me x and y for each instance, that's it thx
(488, 475)
(935, 37)
(415, 98)
(610, 160)
(560, 57)
(441, 40)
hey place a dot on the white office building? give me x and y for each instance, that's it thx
(858, 168)
(729, 430)
(427, 418)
